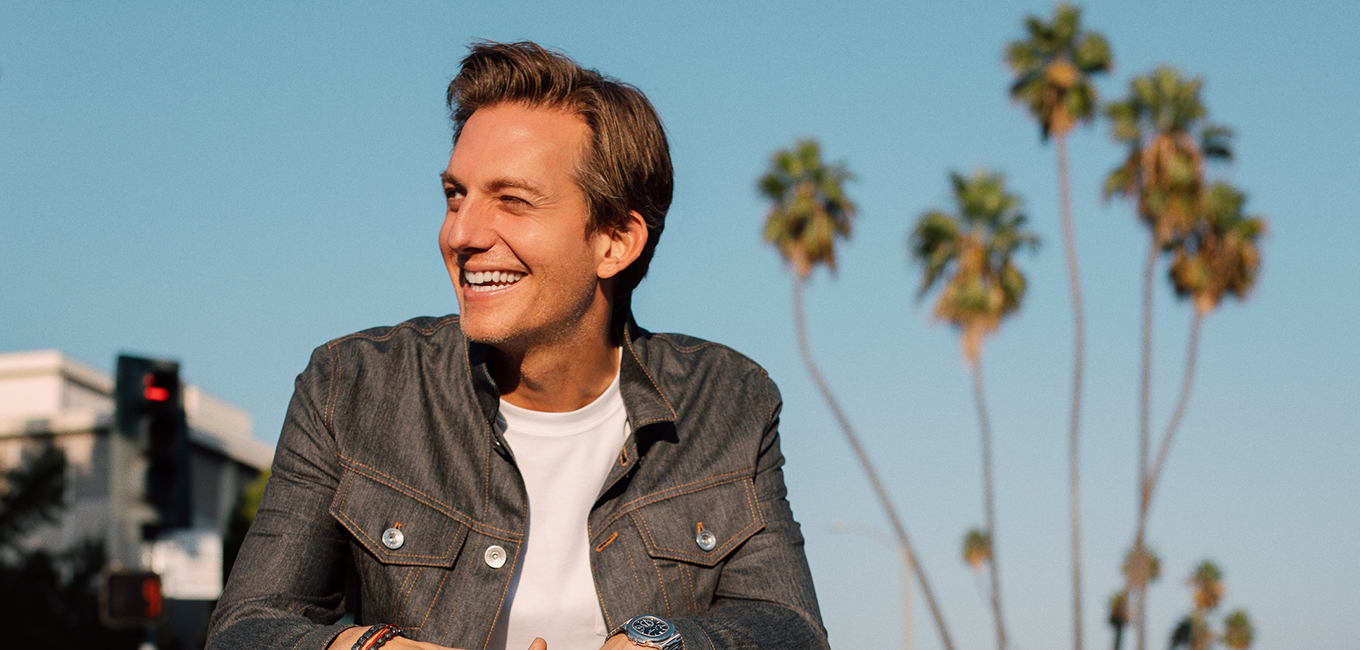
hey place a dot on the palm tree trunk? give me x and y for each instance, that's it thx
(1191, 355)
(989, 501)
(1138, 588)
(1149, 483)
(800, 328)
(1078, 363)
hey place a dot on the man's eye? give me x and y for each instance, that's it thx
(514, 200)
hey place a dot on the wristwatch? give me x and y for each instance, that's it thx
(651, 631)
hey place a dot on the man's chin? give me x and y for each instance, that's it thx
(493, 334)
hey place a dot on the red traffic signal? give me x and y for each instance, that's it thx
(130, 599)
(156, 386)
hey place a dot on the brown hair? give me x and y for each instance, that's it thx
(628, 164)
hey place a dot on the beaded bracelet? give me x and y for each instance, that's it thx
(378, 630)
(387, 634)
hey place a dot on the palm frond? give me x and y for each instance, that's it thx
(968, 253)
(1093, 55)
(1216, 141)
(809, 209)
(1052, 70)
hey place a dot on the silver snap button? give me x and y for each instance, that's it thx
(393, 539)
(706, 540)
(494, 556)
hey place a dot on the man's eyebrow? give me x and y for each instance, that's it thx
(515, 184)
(499, 184)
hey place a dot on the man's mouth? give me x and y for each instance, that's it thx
(490, 280)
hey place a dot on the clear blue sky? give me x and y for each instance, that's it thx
(233, 184)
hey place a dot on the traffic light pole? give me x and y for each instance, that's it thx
(151, 489)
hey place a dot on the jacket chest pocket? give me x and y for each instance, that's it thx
(408, 546)
(688, 539)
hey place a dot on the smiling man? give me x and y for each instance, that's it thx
(537, 471)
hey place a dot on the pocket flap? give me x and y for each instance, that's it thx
(703, 526)
(427, 534)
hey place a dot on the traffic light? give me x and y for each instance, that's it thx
(149, 410)
(130, 599)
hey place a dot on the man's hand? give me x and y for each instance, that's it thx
(346, 640)
(621, 642)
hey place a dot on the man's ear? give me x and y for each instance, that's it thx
(620, 246)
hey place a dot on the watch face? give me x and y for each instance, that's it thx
(650, 627)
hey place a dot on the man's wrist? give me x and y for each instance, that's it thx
(649, 630)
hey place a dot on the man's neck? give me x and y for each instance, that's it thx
(556, 378)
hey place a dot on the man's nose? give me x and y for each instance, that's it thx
(471, 229)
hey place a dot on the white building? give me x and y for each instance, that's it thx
(47, 396)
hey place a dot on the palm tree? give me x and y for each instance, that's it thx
(977, 548)
(808, 212)
(1152, 565)
(1052, 69)
(1119, 616)
(1163, 124)
(1238, 632)
(1195, 631)
(969, 255)
(1206, 581)
(1220, 257)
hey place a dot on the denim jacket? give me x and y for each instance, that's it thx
(393, 428)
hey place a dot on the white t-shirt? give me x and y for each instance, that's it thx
(564, 459)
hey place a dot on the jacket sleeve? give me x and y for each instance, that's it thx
(286, 589)
(765, 597)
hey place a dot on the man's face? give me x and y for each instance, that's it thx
(514, 235)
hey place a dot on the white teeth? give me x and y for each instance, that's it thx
(486, 280)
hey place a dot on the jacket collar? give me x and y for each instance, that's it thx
(642, 396)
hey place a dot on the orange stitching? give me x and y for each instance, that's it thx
(659, 580)
(717, 552)
(338, 369)
(330, 388)
(607, 542)
(486, 472)
(433, 600)
(642, 593)
(623, 456)
(506, 590)
(755, 503)
(662, 582)
(367, 541)
(648, 375)
(424, 498)
(600, 596)
(345, 497)
(490, 441)
(458, 595)
(686, 348)
(608, 624)
(443, 322)
(406, 588)
(412, 491)
(686, 581)
(649, 499)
